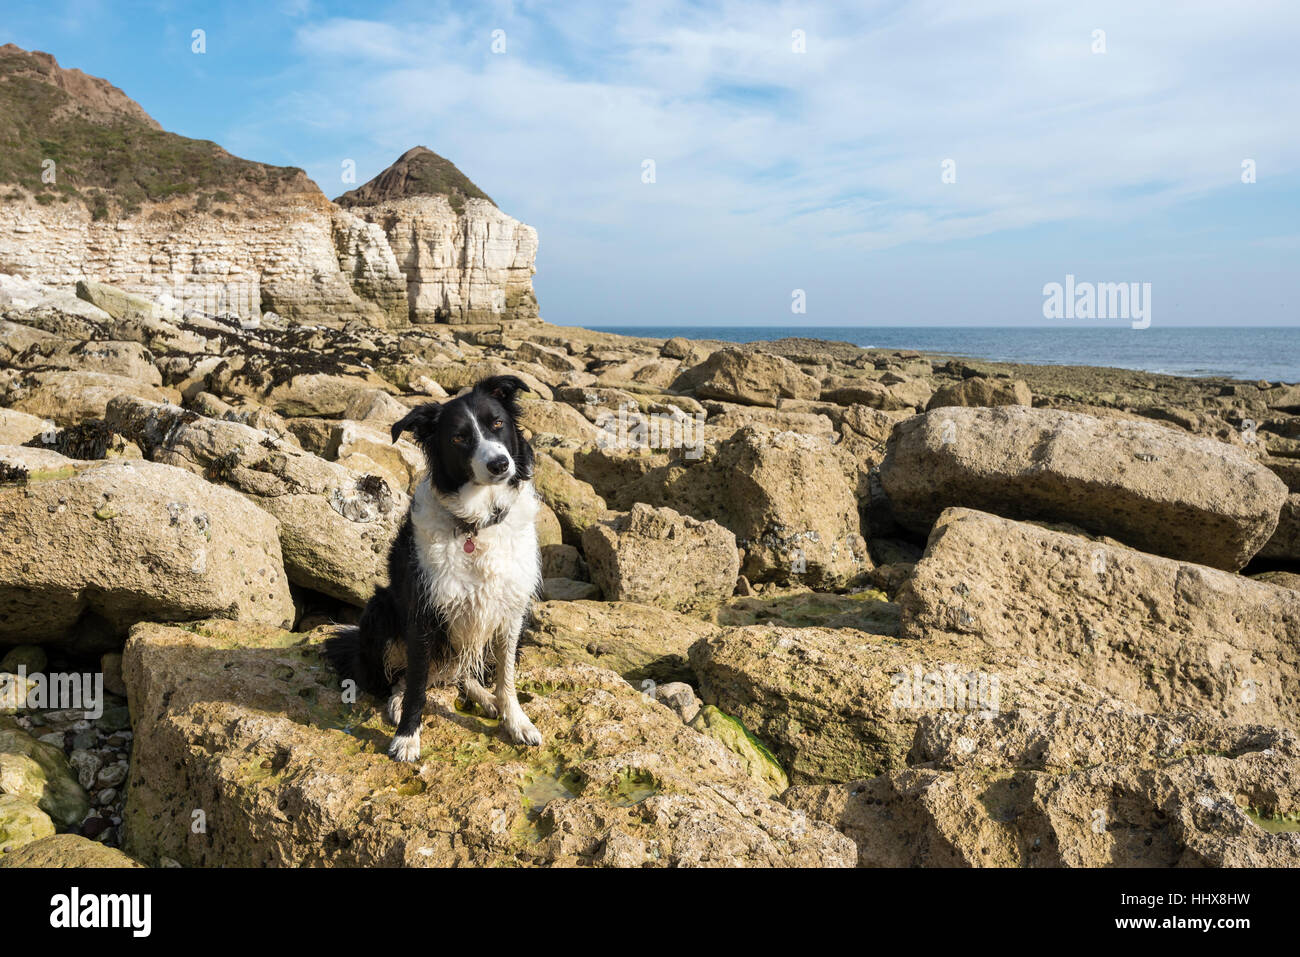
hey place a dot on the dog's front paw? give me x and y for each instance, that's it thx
(520, 730)
(393, 712)
(405, 747)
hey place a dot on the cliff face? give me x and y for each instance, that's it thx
(464, 260)
(92, 188)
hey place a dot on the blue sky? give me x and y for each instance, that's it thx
(776, 170)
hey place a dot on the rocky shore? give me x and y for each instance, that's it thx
(804, 603)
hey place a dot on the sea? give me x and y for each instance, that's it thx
(1251, 353)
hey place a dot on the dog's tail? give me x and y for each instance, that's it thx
(357, 651)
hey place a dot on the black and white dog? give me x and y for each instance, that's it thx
(462, 571)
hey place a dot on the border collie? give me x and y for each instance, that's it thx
(462, 571)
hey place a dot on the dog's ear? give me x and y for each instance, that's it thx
(420, 421)
(503, 388)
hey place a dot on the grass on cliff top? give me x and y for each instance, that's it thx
(123, 162)
(419, 172)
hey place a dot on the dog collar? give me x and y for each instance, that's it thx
(470, 529)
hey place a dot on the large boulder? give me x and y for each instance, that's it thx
(639, 642)
(1156, 633)
(836, 704)
(21, 822)
(68, 397)
(335, 524)
(290, 775)
(38, 773)
(67, 850)
(128, 541)
(1157, 489)
(789, 498)
(574, 502)
(1077, 788)
(749, 378)
(1285, 543)
(657, 556)
(979, 391)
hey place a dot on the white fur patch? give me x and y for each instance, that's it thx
(487, 591)
(406, 747)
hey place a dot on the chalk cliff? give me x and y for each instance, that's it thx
(464, 260)
(92, 188)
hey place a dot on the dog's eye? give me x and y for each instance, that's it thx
(497, 425)
(458, 440)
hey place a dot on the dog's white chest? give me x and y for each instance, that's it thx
(486, 590)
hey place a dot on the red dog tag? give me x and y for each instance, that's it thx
(469, 546)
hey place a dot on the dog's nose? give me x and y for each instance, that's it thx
(498, 465)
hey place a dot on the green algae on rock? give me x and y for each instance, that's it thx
(250, 726)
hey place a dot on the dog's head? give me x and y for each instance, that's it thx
(473, 437)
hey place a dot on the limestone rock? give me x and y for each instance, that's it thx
(750, 378)
(335, 525)
(1078, 792)
(69, 398)
(151, 542)
(786, 496)
(638, 641)
(291, 776)
(21, 822)
(656, 556)
(464, 260)
(67, 850)
(1156, 633)
(574, 502)
(1285, 542)
(979, 391)
(39, 774)
(1154, 488)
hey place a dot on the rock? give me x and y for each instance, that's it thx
(21, 822)
(111, 666)
(1156, 633)
(130, 360)
(152, 542)
(1282, 579)
(15, 692)
(18, 428)
(656, 556)
(557, 418)
(67, 850)
(38, 773)
(787, 498)
(1156, 489)
(31, 657)
(374, 406)
(549, 532)
(979, 391)
(842, 704)
(91, 439)
(290, 776)
(566, 589)
(575, 503)
(732, 419)
(1285, 542)
(366, 449)
(888, 393)
(1079, 789)
(70, 398)
(563, 561)
(334, 525)
(760, 763)
(749, 378)
(122, 305)
(464, 260)
(680, 698)
(638, 641)
(872, 424)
